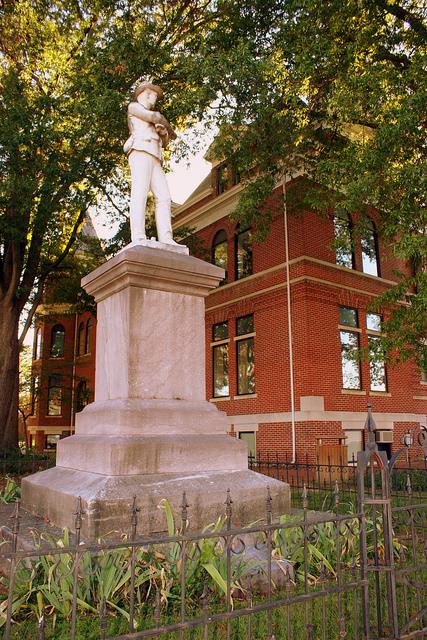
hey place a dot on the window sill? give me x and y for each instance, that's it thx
(419, 397)
(245, 396)
(353, 392)
(219, 399)
(386, 394)
(423, 382)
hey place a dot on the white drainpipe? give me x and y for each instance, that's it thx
(288, 295)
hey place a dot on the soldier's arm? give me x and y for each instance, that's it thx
(135, 109)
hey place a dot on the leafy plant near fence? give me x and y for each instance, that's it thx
(46, 582)
(11, 492)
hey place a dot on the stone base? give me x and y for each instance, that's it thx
(129, 455)
(106, 500)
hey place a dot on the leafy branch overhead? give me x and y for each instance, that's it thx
(335, 90)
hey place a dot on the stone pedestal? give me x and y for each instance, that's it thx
(150, 431)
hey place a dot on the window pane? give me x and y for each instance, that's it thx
(38, 345)
(369, 252)
(349, 360)
(245, 325)
(220, 331)
(243, 254)
(82, 396)
(343, 248)
(354, 444)
(373, 321)
(88, 341)
(220, 371)
(377, 371)
(220, 255)
(245, 366)
(57, 344)
(54, 399)
(81, 340)
(348, 317)
(222, 178)
(249, 438)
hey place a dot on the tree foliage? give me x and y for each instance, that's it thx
(337, 90)
(66, 70)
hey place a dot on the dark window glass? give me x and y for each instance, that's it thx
(350, 363)
(235, 177)
(222, 178)
(81, 339)
(89, 331)
(57, 341)
(54, 395)
(244, 265)
(52, 441)
(348, 317)
(220, 371)
(245, 366)
(82, 395)
(369, 243)
(34, 394)
(220, 331)
(249, 438)
(220, 251)
(343, 242)
(38, 345)
(245, 325)
(377, 370)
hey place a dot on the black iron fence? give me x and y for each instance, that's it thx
(23, 465)
(320, 478)
(345, 573)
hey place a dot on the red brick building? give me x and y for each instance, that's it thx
(281, 333)
(282, 329)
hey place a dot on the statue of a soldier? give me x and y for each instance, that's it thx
(150, 133)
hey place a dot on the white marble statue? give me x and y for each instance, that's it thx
(150, 132)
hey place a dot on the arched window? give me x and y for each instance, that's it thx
(369, 243)
(220, 251)
(344, 254)
(88, 342)
(243, 255)
(82, 395)
(38, 344)
(81, 339)
(57, 341)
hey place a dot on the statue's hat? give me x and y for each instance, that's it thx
(148, 85)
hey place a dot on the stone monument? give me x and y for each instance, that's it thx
(150, 431)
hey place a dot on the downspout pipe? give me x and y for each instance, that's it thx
(289, 317)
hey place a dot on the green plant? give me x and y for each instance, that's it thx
(11, 492)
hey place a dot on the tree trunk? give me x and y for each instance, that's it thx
(9, 374)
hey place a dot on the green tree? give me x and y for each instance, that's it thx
(336, 90)
(66, 69)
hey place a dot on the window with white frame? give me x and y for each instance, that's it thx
(349, 339)
(220, 343)
(245, 353)
(377, 368)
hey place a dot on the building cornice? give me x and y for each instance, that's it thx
(307, 278)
